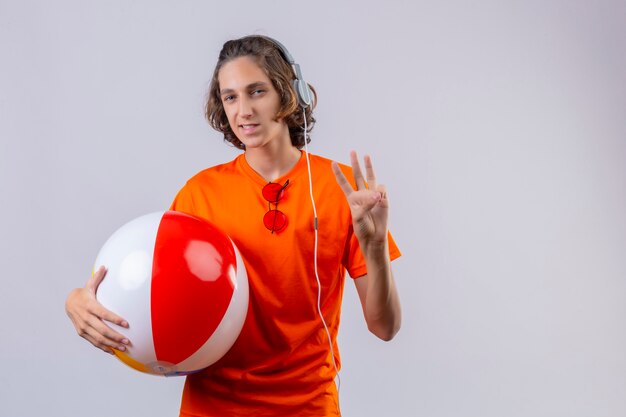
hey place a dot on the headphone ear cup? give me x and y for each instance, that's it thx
(305, 95)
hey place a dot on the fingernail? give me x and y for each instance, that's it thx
(122, 348)
(125, 341)
(125, 324)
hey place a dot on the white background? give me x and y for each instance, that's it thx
(498, 126)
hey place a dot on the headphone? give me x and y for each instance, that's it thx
(303, 91)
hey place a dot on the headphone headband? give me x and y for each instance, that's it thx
(303, 91)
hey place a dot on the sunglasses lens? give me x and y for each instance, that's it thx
(272, 192)
(275, 220)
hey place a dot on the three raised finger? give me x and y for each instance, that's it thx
(356, 171)
(343, 182)
(346, 186)
(369, 171)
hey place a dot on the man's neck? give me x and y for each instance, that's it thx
(273, 163)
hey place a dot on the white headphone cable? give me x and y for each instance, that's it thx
(319, 284)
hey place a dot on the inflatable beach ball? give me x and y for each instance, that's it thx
(181, 285)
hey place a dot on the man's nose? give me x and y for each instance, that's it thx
(245, 107)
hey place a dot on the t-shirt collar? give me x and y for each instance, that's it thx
(298, 169)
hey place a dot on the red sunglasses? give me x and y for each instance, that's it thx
(275, 220)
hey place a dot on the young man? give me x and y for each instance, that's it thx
(296, 253)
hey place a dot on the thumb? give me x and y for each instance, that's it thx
(96, 279)
(382, 190)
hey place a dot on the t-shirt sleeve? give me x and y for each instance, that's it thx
(354, 261)
(183, 202)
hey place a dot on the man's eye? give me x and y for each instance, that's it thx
(228, 98)
(257, 92)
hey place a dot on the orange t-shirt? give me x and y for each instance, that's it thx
(280, 364)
